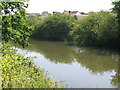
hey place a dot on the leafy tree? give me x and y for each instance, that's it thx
(99, 29)
(54, 27)
(17, 70)
(33, 20)
(14, 26)
(116, 9)
(82, 33)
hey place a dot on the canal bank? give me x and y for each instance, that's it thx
(20, 72)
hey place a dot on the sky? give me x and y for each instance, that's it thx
(38, 6)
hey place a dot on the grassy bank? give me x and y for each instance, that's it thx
(20, 72)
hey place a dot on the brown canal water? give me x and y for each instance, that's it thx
(78, 67)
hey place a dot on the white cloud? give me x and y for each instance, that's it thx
(61, 5)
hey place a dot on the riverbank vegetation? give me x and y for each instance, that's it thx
(99, 29)
(20, 72)
(16, 70)
(55, 27)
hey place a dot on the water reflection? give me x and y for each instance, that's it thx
(95, 60)
(55, 51)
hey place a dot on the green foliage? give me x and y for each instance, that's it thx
(116, 9)
(97, 29)
(20, 72)
(14, 0)
(54, 27)
(0, 27)
(14, 26)
(82, 33)
(33, 20)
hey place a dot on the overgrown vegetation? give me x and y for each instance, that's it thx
(14, 26)
(18, 71)
(98, 29)
(54, 27)
(33, 20)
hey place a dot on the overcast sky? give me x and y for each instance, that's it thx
(38, 6)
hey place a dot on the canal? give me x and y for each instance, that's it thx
(76, 67)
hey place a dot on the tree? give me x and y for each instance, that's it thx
(14, 26)
(33, 20)
(116, 9)
(54, 27)
(99, 29)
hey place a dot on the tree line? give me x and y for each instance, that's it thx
(96, 29)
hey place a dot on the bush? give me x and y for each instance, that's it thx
(33, 20)
(98, 29)
(82, 33)
(54, 27)
(20, 72)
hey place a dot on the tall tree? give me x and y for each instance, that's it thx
(14, 26)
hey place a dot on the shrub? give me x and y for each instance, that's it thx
(54, 27)
(20, 72)
(99, 29)
(33, 20)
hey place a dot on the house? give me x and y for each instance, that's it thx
(44, 14)
(66, 12)
(82, 13)
(70, 12)
(73, 12)
(54, 12)
(78, 14)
